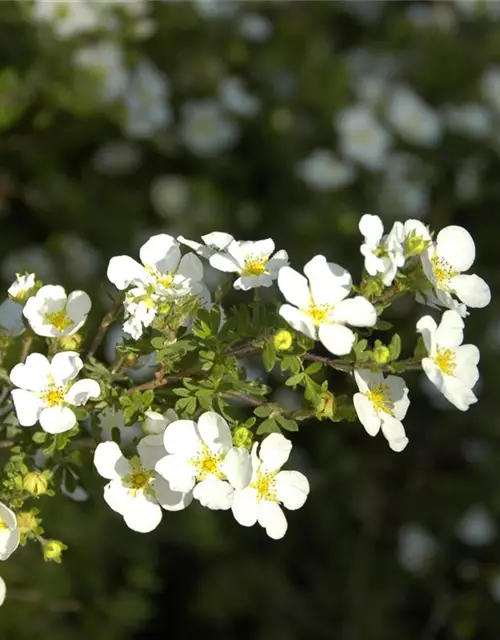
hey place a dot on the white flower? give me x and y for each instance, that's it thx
(9, 533)
(46, 392)
(404, 189)
(110, 419)
(269, 488)
(450, 366)
(33, 258)
(416, 548)
(81, 259)
(252, 261)
(163, 275)
(237, 99)
(54, 314)
(490, 86)
(444, 263)
(170, 196)
(69, 18)
(256, 27)
(322, 171)
(213, 243)
(476, 527)
(105, 62)
(472, 119)
(11, 317)
(147, 109)
(414, 120)
(318, 306)
(382, 403)
(3, 591)
(135, 491)
(383, 254)
(362, 138)
(206, 129)
(19, 290)
(202, 460)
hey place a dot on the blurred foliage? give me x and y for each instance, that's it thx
(388, 546)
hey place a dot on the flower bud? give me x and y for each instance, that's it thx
(242, 437)
(327, 406)
(372, 287)
(35, 483)
(415, 245)
(52, 550)
(70, 343)
(381, 354)
(282, 340)
(27, 521)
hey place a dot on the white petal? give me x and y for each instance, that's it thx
(110, 462)
(274, 451)
(455, 245)
(224, 262)
(271, 517)
(8, 516)
(155, 422)
(151, 450)
(277, 262)
(245, 283)
(294, 287)
(190, 267)
(3, 591)
(81, 391)
(292, 489)
(472, 290)
(161, 252)
(168, 498)
(365, 378)
(65, 366)
(450, 332)
(181, 438)
(33, 374)
(237, 467)
(218, 239)
(124, 271)
(467, 357)
(433, 373)
(245, 507)
(118, 496)
(427, 327)
(358, 312)
(214, 493)
(336, 338)
(298, 320)
(458, 394)
(144, 514)
(372, 228)
(28, 407)
(367, 415)
(199, 248)
(78, 306)
(57, 419)
(180, 474)
(261, 248)
(399, 395)
(329, 282)
(9, 541)
(394, 432)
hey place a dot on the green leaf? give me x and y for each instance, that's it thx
(39, 437)
(263, 412)
(314, 368)
(383, 325)
(293, 381)
(269, 356)
(268, 426)
(147, 398)
(286, 423)
(395, 347)
(180, 391)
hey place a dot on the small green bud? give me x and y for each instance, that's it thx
(242, 437)
(282, 340)
(381, 354)
(415, 245)
(27, 521)
(327, 406)
(52, 550)
(35, 483)
(70, 343)
(372, 287)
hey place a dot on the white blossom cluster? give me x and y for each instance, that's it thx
(180, 460)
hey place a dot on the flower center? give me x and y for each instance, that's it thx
(379, 396)
(443, 271)
(59, 319)
(208, 463)
(3, 525)
(254, 266)
(318, 314)
(446, 362)
(139, 479)
(54, 396)
(266, 486)
(166, 280)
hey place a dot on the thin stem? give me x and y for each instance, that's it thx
(104, 326)
(26, 346)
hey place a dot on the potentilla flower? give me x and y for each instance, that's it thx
(383, 254)
(450, 366)
(202, 461)
(9, 532)
(46, 392)
(318, 306)
(53, 314)
(135, 491)
(252, 261)
(323, 171)
(269, 488)
(444, 263)
(382, 403)
(362, 138)
(22, 286)
(212, 243)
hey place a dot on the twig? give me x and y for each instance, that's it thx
(26, 346)
(104, 326)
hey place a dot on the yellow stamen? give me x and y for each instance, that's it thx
(254, 266)
(59, 319)
(266, 486)
(443, 271)
(54, 396)
(207, 463)
(139, 479)
(318, 314)
(379, 396)
(166, 280)
(3, 525)
(446, 361)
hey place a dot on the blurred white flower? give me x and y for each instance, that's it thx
(323, 171)
(146, 102)
(69, 18)
(104, 60)
(110, 419)
(236, 98)
(467, 179)
(206, 129)
(169, 196)
(11, 317)
(215, 8)
(473, 120)
(117, 157)
(412, 118)
(81, 259)
(33, 258)
(361, 137)
(490, 85)
(256, 27)
(477, 527)
(471, 9)
(416, 548)
(404, 189)
(432, 15)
